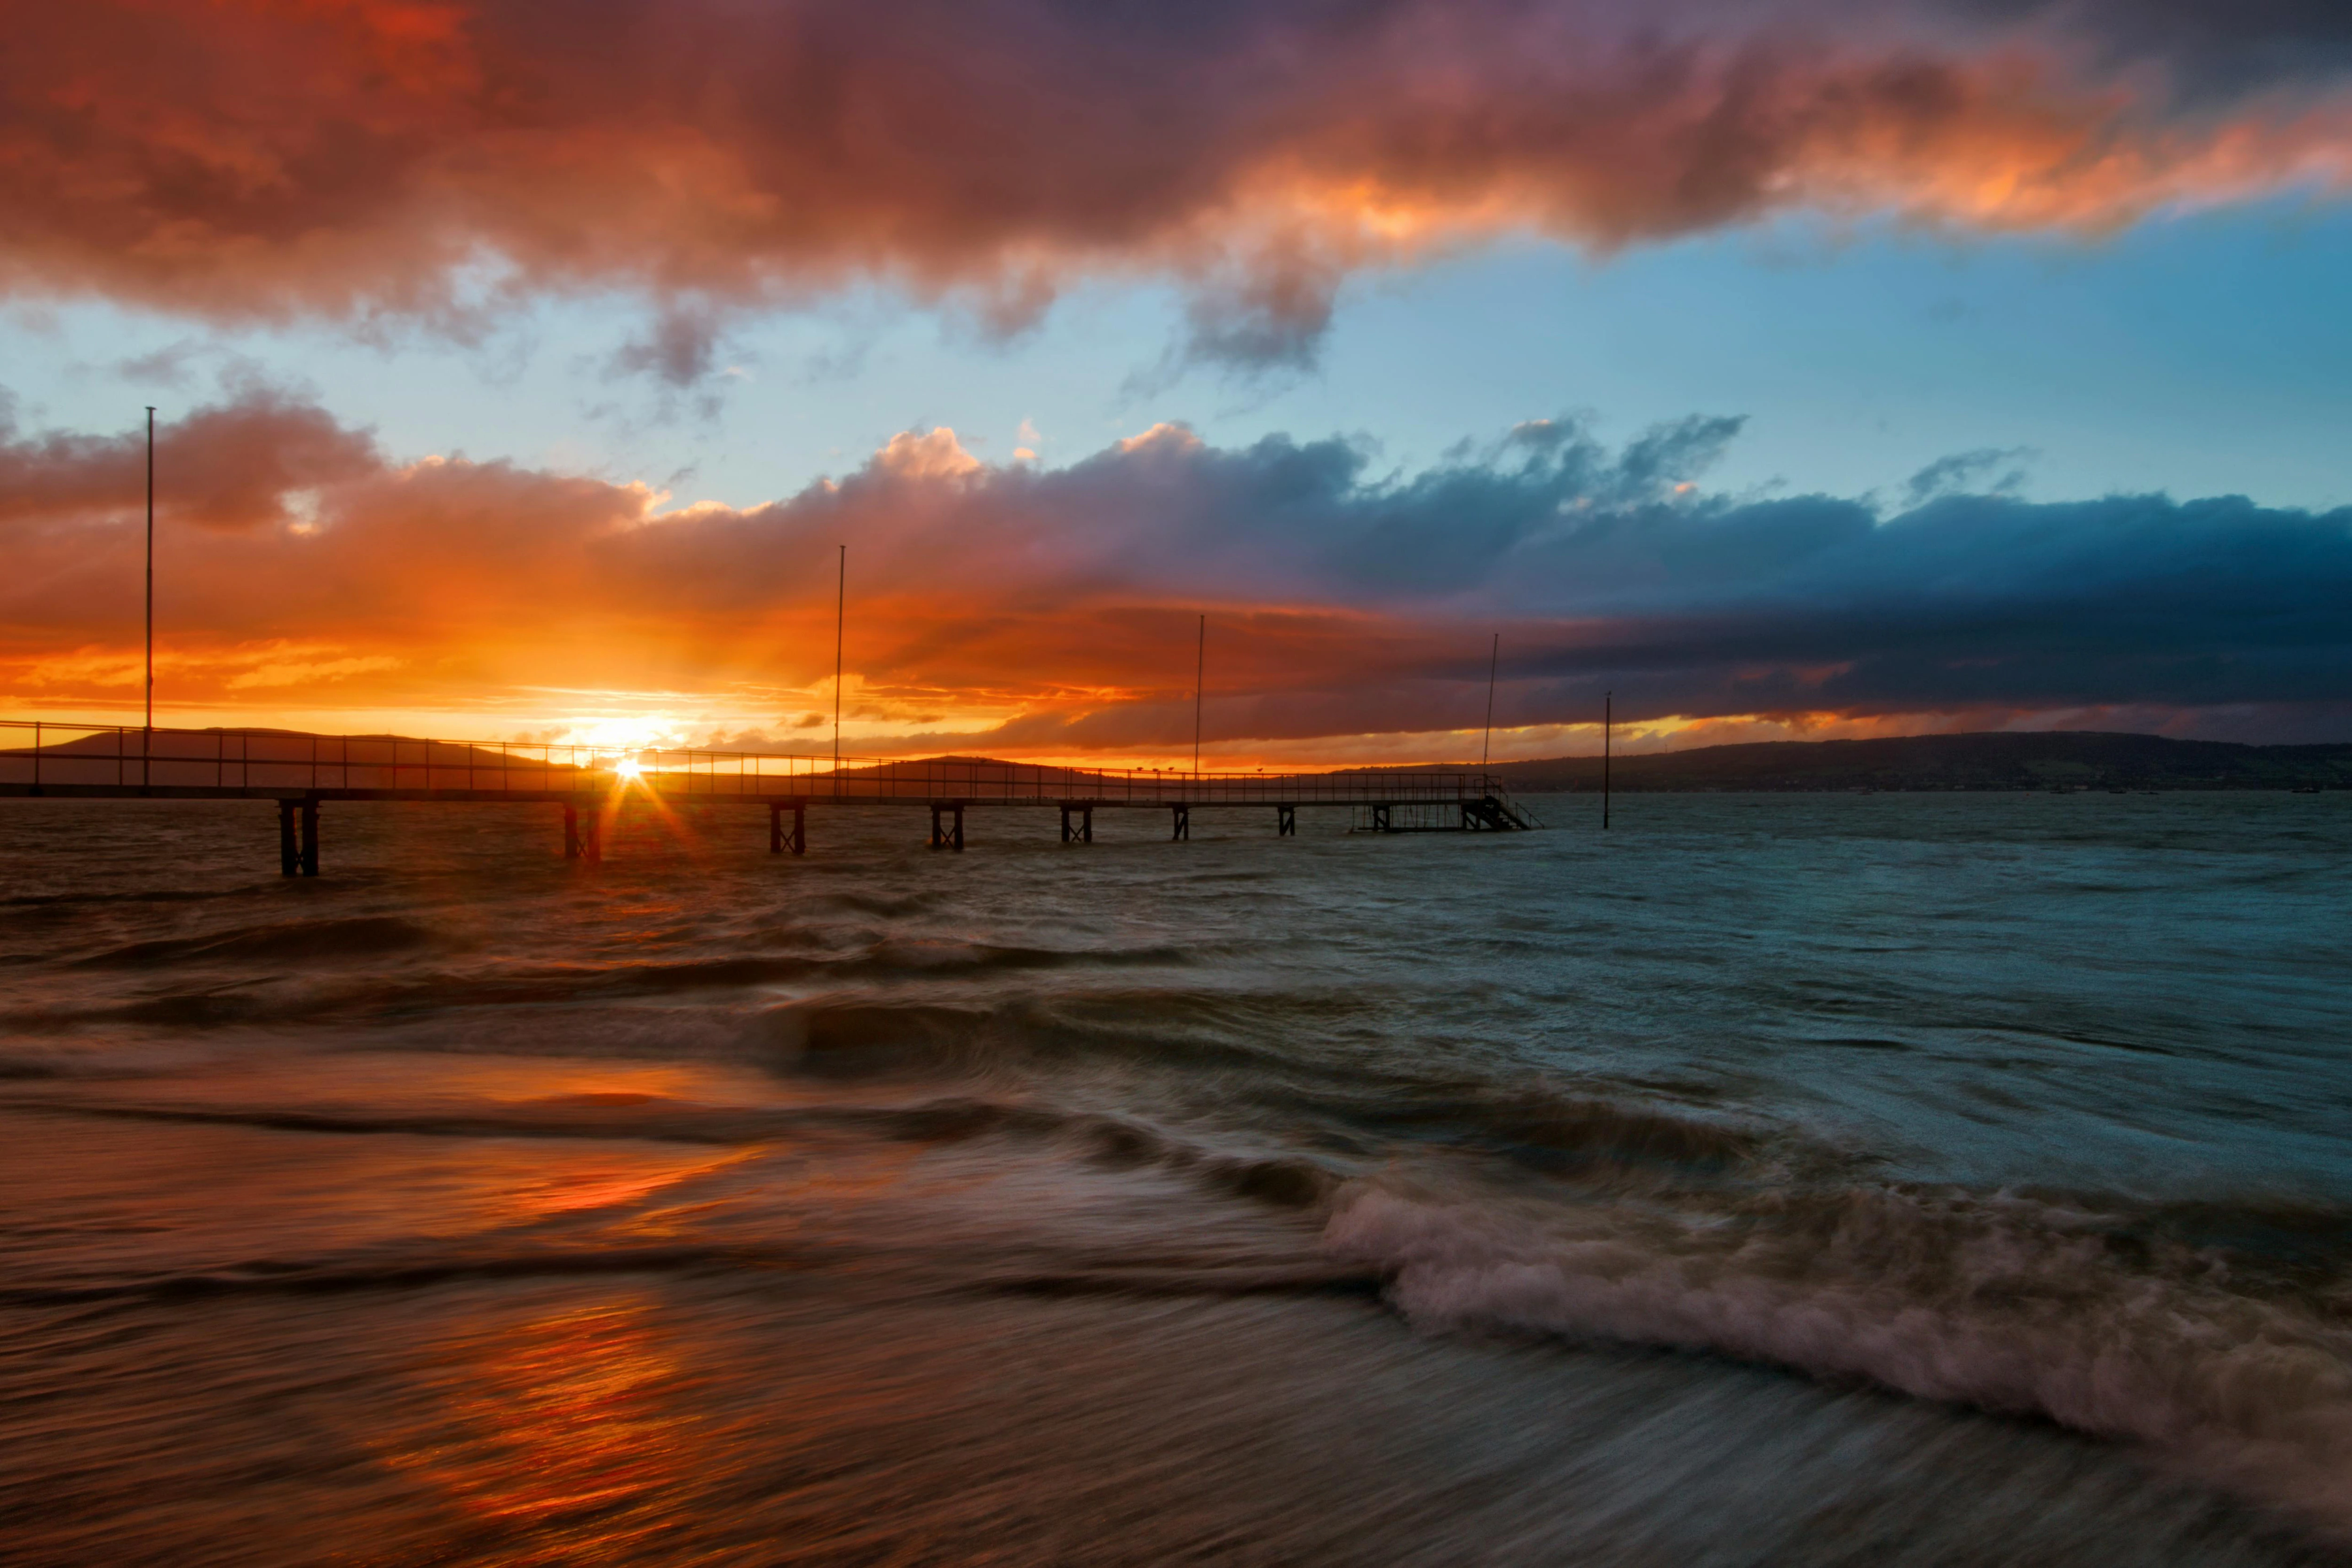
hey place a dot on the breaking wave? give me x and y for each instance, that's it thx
(2135, 1325)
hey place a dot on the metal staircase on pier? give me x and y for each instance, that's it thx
(1492, 812)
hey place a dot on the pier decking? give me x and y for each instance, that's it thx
(302, 771)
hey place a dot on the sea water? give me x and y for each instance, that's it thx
(1796, 1179)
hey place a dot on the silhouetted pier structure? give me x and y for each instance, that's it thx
(301, 771)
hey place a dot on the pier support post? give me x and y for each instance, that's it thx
(1286, 822)
(1381, 819)
(946, 825)
(1078, 825)
(778, 839)
(582, 835)
(298, 837)
(1183, 826)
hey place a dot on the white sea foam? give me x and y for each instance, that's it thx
(2003, 1303)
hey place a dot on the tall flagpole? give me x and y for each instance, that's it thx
(147, 739)
(840, 614)
(1199, 668)
(1608, 700)
(1493, 660)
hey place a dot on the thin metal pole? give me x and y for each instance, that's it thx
(1493, 661)
(147, 741)
(1607, 701)
(840, 614)
(1199, 668)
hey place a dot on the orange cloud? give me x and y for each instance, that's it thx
(238, 465)
(271, 158)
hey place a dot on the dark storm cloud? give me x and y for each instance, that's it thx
(2212, 47)
(1976, 602)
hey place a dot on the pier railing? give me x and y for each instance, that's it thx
(41, 755)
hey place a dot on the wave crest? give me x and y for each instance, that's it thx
(2010, 1304)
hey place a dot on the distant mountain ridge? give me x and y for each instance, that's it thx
(2085, 759)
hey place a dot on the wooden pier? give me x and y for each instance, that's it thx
(302, 771)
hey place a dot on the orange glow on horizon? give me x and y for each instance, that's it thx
(715, 731)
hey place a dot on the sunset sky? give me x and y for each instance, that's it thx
(1783, 366)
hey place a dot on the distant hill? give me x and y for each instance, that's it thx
(2087, 759)
(2083, 759)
